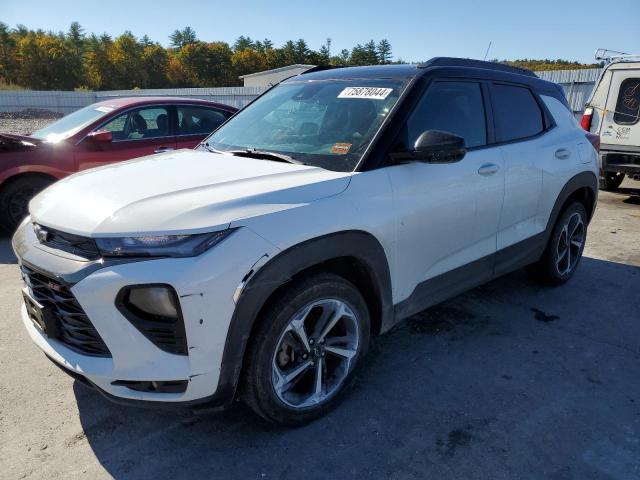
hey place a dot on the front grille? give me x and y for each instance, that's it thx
(73, 327)
(81, 246)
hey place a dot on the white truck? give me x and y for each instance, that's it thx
(613, 113)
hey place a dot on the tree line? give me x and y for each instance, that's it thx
(41, 60)
(44, 60)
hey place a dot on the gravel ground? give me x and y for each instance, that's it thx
(22, 126)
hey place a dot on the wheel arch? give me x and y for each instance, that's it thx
(28, 174)
(355, 255)
(582, 187)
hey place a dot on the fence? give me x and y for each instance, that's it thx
(577, 85)
(67, 102)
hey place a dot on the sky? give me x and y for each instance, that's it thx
(417, 29)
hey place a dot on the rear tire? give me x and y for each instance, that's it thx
(611, 181)
(15, 197)
(305, 349)
(564, 249)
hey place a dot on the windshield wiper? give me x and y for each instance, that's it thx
(264, 154)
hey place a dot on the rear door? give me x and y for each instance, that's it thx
(135, 133)
(520, 124)
(195, 122)
(621, 120)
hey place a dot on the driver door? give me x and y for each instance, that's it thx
(135, 133)
(448, 213)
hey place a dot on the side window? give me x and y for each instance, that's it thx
(141, 123)
(455, 107)
(628, 105)
(193, 120)
(517, 113)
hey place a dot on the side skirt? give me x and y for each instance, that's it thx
(449, 284)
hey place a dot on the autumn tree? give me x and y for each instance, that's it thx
(45, 60)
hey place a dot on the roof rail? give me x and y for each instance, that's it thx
(467, 62)
(615, 56)
(320, 68)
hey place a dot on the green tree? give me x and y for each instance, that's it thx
(154, 62)
(243, 43)
(180, 38)
(8, 60)
(383, 50)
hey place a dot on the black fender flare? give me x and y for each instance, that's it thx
(581, 180)
(362, 246)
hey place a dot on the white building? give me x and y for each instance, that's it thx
(271, 77)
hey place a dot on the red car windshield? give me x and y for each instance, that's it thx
(72, 123)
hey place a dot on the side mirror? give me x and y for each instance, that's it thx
(101, 136)
(435, 146)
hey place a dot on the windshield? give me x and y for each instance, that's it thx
(323, 123)
(72, 123)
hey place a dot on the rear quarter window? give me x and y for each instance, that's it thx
(628, 104)
(516, 112)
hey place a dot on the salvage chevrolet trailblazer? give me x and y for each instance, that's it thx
(260, 266)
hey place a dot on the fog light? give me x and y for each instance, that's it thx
(153, 300)
(155, 311)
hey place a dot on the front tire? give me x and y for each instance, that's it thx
(15, 197)
(564, 249)
(305, 349)
(611, 181)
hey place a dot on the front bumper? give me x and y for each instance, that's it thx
(205, 286)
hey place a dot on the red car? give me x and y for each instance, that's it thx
(105, 132)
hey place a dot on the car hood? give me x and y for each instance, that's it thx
(14, 143)
(179, 192)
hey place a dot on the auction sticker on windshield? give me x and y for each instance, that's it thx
(341, 148)
(375, 93)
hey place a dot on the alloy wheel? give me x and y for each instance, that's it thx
(570, 244)
(315, 353)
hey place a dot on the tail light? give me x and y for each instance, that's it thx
(594, 140)
(587, 116)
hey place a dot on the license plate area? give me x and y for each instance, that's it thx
(40, 315)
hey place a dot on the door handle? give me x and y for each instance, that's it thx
(488, 169)
(163, 149)
(562, 154)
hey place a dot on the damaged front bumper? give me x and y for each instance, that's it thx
(134, 368)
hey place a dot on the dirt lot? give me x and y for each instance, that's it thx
(508, 381)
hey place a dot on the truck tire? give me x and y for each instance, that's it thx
(611, 181)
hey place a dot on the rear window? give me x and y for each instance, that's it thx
(517, 113)
(194, 120)
(628, 106)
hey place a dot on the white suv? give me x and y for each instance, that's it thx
(260, 265)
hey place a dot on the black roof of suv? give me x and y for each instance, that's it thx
(440, 66)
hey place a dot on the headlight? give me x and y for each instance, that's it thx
(161, 245)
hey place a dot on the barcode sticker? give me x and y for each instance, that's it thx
(375, 93)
